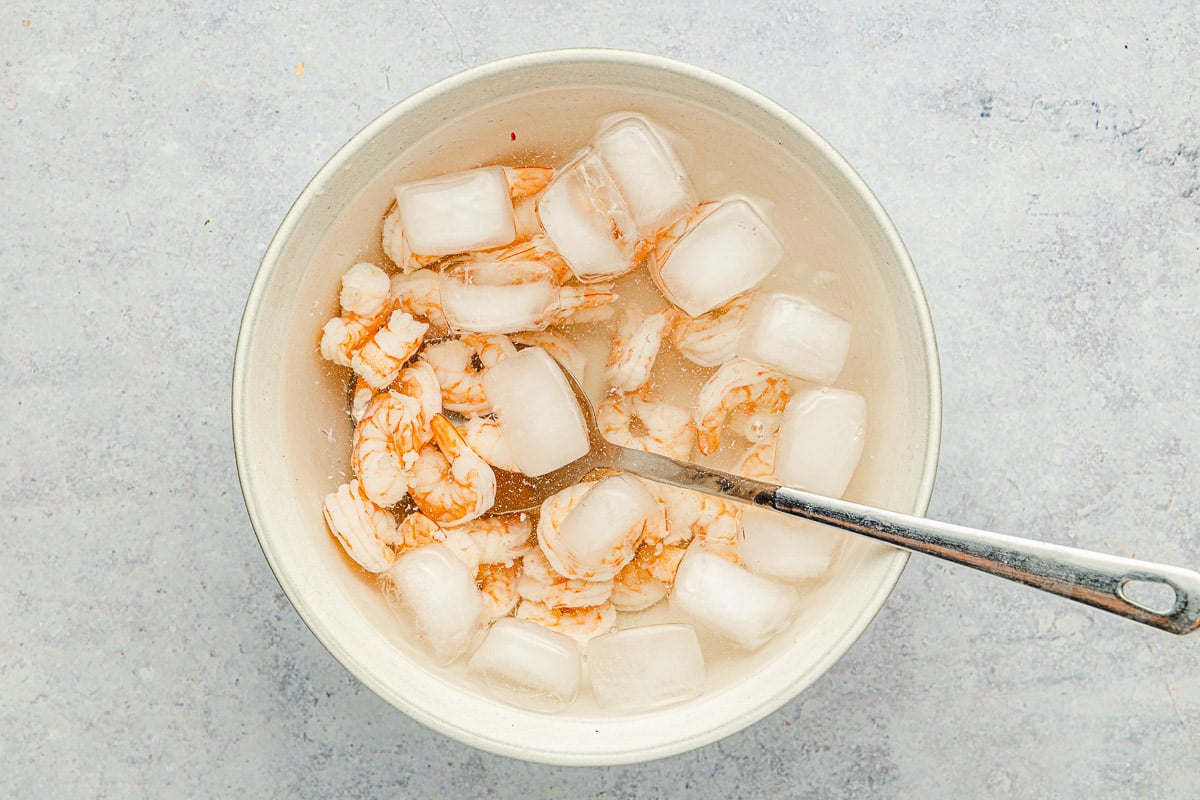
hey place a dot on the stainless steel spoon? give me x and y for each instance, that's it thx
(1154, 594)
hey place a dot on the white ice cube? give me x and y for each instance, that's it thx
(787, 548)
(734, 603)
(584, 214)
(438, 592)
(458, 212)
(496, 297)
(528, 665)
(821, 440)
(599, 535)
(638, 669)
(655, 186)
(539, 416)
(727, 253)
(795, 336)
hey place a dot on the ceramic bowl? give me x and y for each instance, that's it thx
(291, 430)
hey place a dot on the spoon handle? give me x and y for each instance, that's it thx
(1095, 579)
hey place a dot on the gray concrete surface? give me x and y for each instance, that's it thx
(1041, 162)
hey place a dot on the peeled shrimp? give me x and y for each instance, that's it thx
(419, 381)
(502, 539)
(365, 530)
(582, 304)
(364, 291)
(630, 420)
(737, 385)
(459, 366)
(498, 584)
(343, 336)
(540, 249)
(483, 435)
(384, 446)
(646, 579)
(360, 397)
(419, 530)
(635, 349)
(560, 348)
(419, 294)
(449, 482)
(580, 624)
(539, 583)
(380, 357)
(758, 462)
(693, 516)
(710, 339)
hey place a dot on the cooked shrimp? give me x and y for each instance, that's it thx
(527, 181)
(580, 624)
(419, 381)
(364, 291)
(365, 530)
(710, 339)
(541, 584)
(449, 482)
(693, 516)
(380, 358)
(384, 446)
(502, 539)
(539, 248)
(417, 529)
(582, 304)
(560, 348)
(483, 435)
(341, 338)
(459, 366)
(419, 294)
(611, 543)
(737, 385)
(635, 349)
(758, 462)
(630, 420)
(646, 579)
(498, 583)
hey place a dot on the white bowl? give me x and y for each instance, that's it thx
(291, 431)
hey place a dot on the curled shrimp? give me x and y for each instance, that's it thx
(365, 531)
(581, 624)
(710, 339)
(540, 583)
(361, 394)
(343, 336)
(418, 530)
(364, 291)
(539, 248)
(483, 435)
(419, 381)
(498, 584)
(758, 462)
(379, 359)
(384, 446)
(714, 523)
(419, 294)
(635, 349)
(459, 366)
(449, 482)
(582, 304)
(737, 385)
(502, 539)
(630, 420)
(646, 579)
(560, 348)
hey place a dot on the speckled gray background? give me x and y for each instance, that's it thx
(1041, 162)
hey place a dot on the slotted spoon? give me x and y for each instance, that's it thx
(1158, 595)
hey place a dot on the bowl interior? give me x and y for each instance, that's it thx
(292, 433)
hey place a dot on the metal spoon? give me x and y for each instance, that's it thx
(1095, 579)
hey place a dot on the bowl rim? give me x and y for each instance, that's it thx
(270, 262)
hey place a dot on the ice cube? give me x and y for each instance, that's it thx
(601, 533)
(496, 297)
(539, 416)
(458, 212)
(821, 440)
(527, 665)
(795, 336)
(728, 252)
(638, 669)
(653, 183)
(787, 548)
(584, 214)
(438, 592)
(736, 604)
